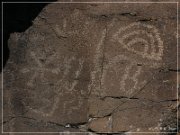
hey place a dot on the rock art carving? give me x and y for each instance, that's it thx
(91, 67)
(61, 86)
(95, 74)
(39, 70)
(112, 66)
(129, 37)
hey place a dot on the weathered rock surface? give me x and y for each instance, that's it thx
(94, 67)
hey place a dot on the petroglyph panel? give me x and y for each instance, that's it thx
(124, 71)
(51, 83)
(93, 67)
(50, 93)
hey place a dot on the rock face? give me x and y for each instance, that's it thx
(94, 67)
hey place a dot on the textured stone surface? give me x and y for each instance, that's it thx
(94, 67)
(147, 116)
(101, 124)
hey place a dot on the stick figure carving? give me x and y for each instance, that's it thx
(121, 74)
(48, 107)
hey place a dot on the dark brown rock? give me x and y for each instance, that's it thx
(93, 67)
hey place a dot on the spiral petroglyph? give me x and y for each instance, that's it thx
(141, 39)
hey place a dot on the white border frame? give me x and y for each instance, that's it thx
(99, 3)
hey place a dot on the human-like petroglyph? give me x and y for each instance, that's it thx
(63, 87)
(114, 66)
(132, 36)
(134, 78)
(60, 87)
(38, 71)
